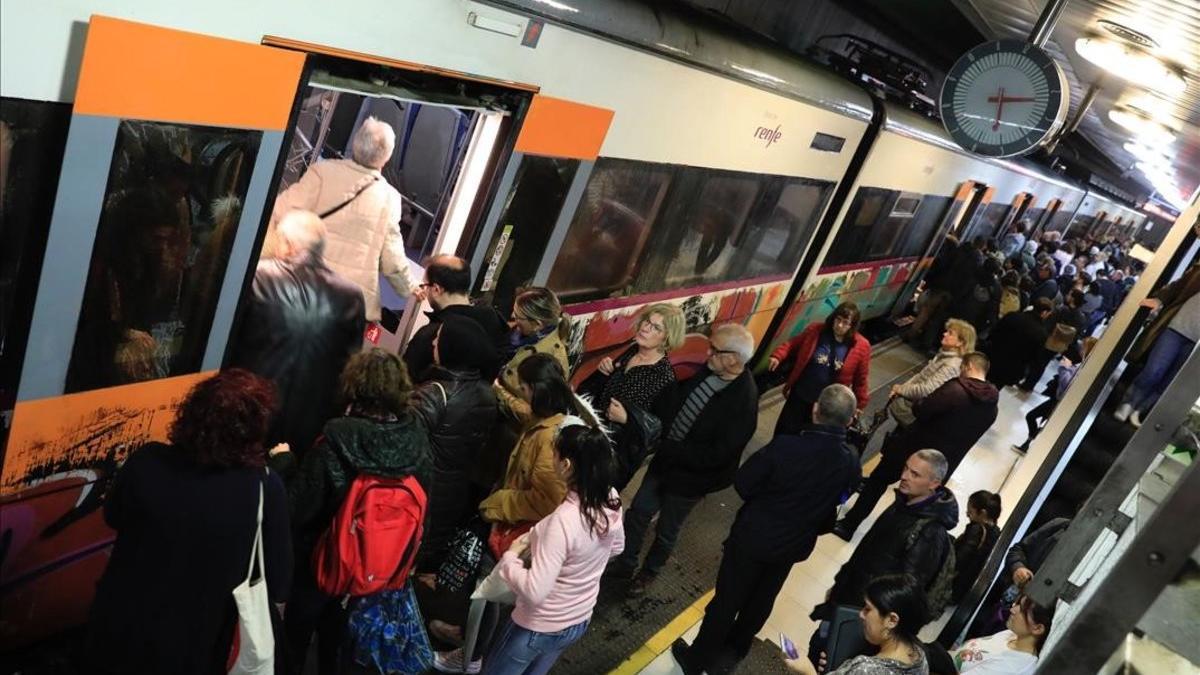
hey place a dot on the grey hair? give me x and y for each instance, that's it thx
(303, 230)
(740, 340)
(936, 461)
(836, 405)
(373, 143)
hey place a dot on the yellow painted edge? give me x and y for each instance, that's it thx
(661, 641)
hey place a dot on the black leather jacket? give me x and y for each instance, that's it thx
(300, 325)
(459, 425)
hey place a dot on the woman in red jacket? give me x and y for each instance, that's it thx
(826, 353)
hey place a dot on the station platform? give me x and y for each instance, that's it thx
(630, 636)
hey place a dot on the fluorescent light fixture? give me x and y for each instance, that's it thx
(1131, 62)
(562, 7)
(1145, 128)
(1144, 151)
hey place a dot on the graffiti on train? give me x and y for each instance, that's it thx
(604, 333)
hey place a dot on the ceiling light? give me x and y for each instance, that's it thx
(1131, 62)
(1146, 152)
(1146, 129)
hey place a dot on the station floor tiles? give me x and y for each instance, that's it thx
(986, 467)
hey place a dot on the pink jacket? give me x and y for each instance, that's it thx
(560, 587)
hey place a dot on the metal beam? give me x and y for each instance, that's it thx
(1155, 558)
(1040, 34)
(1100, 510)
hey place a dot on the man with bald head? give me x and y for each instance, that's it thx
(447, 287)
(299, 326)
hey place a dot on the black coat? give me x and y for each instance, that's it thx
(791, 488)
(1014, 343)
(301, 324)
(885, 550)
(348, 446)
(459, 425)
(1033, 550)
(708, 456)
(418, 355)
(184, 540)
(951, 420)
(971, 551)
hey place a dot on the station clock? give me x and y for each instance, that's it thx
(1004, 98)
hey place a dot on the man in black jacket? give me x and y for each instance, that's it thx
(447, 287)
(1016, 341)
(707, 422)
(299, 326)
(791, 488)
(911, 537)
(951, 420)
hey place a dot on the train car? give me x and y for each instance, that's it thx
(620, 157)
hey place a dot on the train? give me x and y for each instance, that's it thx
(619, 153)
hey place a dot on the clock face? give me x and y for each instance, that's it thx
(1004, 98)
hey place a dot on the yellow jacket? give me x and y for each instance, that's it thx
(532, 488)
(508, 385)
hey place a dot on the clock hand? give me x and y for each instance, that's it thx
(1000, 99)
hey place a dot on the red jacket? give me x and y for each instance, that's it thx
(853, 373)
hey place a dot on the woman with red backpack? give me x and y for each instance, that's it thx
(377, 435)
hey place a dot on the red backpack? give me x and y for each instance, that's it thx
(372, 543)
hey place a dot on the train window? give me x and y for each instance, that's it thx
(171, 210)
(702, 231)
(923, 225)
(885, 239)
(33, 135)
(869, 208)
(1059, 222)
(619, 207)
(991, 220)
(774, 243)
(525, 224)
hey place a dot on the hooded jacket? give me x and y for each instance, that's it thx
(300, 325)
(951, 420)
(885, 550)
(418, 355)
(349, 446)
(459, 410)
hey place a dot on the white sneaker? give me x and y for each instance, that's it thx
(1123, 412)
(1136, 419)
(452, 662)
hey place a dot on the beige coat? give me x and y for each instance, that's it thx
(532, 488)
(508, 385)
(364, 237)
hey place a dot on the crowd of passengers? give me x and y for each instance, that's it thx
(523, 472)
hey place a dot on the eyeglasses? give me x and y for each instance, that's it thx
(714, 350)
(658, 328)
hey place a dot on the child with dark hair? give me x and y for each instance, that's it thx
(566, 552)
(975, 544)
(1014, 651)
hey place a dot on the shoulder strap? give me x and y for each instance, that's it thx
(325, 214)
(445, 400)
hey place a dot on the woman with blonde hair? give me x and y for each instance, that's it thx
(624, 390)
(958, 339)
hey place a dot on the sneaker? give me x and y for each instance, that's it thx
(1123, 412)
(1136, 419)
(452, 662)
(641, 583)
(1022, 448)
(842, 531)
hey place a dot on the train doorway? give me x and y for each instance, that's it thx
(965, 228)
(451, 138)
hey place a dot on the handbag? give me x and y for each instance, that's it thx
(493, 588)
(503, 535)
(461, 564)
(1062, 337)
(254, 642)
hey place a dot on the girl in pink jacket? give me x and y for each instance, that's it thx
(567, 552)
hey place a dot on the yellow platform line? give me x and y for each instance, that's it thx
(661, 641)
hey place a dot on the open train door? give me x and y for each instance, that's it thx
(173, 142)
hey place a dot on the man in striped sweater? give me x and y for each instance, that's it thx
(707, 422)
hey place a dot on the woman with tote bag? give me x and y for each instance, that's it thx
(190, 517)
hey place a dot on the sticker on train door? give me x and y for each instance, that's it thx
(173, 140)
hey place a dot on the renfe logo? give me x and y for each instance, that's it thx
(768, 135)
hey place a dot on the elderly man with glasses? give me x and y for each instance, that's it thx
(707, 422)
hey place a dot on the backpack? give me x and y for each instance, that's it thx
(372, 543)
(939, 592)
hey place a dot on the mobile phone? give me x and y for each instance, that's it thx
(788, 647)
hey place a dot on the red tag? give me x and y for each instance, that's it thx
(371, 334)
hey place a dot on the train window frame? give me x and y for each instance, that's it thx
(923, 225)
(851, 243)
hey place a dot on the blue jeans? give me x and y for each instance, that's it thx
(520, 651)
(1166, 357)
(672, 510)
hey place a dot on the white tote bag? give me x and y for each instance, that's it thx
(256, 639)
